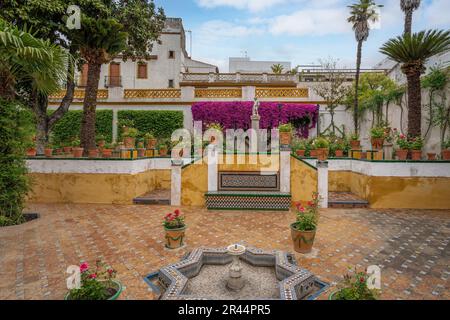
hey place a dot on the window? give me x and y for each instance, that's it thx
(171, 83)
(142, 71)
(171, 54)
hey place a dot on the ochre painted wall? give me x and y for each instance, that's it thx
(303, 180)
(194, 184)
(246, 162)
(95, 188)
(339, 181)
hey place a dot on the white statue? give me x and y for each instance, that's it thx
(256, 107)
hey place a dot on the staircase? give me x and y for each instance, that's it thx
(348, 200)
(156, 197)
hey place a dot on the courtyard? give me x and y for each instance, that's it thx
(410, 246)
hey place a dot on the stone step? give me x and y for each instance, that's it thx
(248, 200)
(156, 197)
(346, 200)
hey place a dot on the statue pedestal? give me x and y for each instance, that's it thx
(255, 126)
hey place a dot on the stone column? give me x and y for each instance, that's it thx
(187, 94)
(285, 169)
(114, 124)
(322, 183)
(213, 168)
(175, 188)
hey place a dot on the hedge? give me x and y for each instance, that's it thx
(160, 123)
(69, 126)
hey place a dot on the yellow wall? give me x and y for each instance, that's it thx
(303, 180)
(258, 162)
(95, 188)
(194, 184)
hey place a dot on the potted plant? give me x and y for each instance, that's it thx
(403, 144)
(377, 135)
(285, 134)
(67, 147)
(175, 228)
(57, 149)
(299, 146)
(162, 149)
(354, 287)
(107, 150)
(355, 143)
(125, 124)
(141, 148)
(416, 145)
(31, 148)
(339, 147)
(303, 230)
(129, 138)
(150, 140)
(96, 284)
(101, 141)
(93, 153)
(77, 151)
(446, 150)
(48, 151)
(321, 144)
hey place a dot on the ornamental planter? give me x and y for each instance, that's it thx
(67, 150)
(402, 154)
(151, 143)
(416, 155)
(446, 154)
(48, 152)
(285, 138)
(31, 152)
(303, 240)
(107, 153)
(116, 288)
(300, 153)
(141, 152)
(313, 153)
(332, 295)
(339, 153)
(355, 144)
(322, 154)
(431, 156)
(93, 153)
(377, 143)
(77, 152)
(175, 237)
(163, 152)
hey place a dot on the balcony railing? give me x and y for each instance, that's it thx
(111, 82)
(237, 78)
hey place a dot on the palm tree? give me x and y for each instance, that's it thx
(277, 68)
(412, 51)
(408, 7)
(361, 14)
(99, 40)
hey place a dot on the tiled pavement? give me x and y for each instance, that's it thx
(411, 246)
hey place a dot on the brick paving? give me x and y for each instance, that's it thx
(411, 246)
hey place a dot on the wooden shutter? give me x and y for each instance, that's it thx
(142, 71)
(114, 74)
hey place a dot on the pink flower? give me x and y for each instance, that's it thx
(110, 271)
(177, 213)
(362, 279)
(83, 267)
(93, 276)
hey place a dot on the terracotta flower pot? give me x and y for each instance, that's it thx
(416, 155)
(107, 153)
(163, 152)
(303, 240)
(431, 156)
(355, 144)
(377, 143)
(31, 152)
(300, 153)
(129, 142)
(322, 154)
(77, 152)
(313, 153)
(67, 149)
(175, 238)
(141, 152)
(446, 154)
(339, 153)
(151, 143)
(285, 138)
(93, 153)
(48, 152)
(402, 154)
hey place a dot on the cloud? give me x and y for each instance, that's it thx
(251, 5)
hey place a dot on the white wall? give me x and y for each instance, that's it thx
(246, 65)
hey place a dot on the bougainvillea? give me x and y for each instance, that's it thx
(237, 115)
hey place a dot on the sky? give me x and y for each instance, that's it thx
(299, 31)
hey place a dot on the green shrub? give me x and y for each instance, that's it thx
(160, 123)
(287, 127)
(15, 128)
(68, 127)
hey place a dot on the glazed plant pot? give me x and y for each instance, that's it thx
(116, 285)
(339, 153)
(163, 152)
(332, 295)
(355, 144)
(67, 150)
(416, 155)
(151, 143)
(446, 154)
(285, 138)
(31, 152)
(141, 152)
(129, 142)
(77, 152)
(377, 143)
(48, 152)
(303, 240)
(402, 154)
(93, 153)
(313, 153)
(175, 237)
(322, 154)
(300, 153)
(431, 156)
(107, 153)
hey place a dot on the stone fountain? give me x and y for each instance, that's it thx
(235, 282)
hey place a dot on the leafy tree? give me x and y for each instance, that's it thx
(408, 7)
(277, 68)
(361, 14)
(412, 51)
